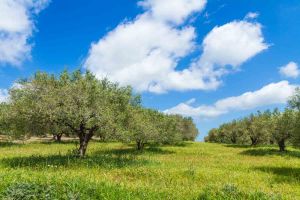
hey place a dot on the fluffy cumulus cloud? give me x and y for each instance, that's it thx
(139, 53)
(172, 11)
(225, 48)
(233, 43)
(16, 28)
(145, 52)
(290, 70)
(274, 93)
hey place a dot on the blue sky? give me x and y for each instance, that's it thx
(214, 60)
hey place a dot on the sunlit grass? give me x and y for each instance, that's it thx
(117, 171)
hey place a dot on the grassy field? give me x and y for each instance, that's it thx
(116, 171)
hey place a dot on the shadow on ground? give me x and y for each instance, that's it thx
(264, 152)
(114, 158)
(283, 174)
(134, 151)
(52, 142)
(54, 161)
(9, 144)
(237, 146)
(181, 144)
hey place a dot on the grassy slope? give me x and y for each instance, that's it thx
(116, 171)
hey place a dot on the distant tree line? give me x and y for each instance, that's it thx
(268, 127)
(78, 104)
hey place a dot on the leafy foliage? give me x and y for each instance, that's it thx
(28, 191)
(261, 128)
(78, 104)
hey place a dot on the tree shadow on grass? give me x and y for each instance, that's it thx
(283, 174)
(267, 151)
(134, 151)
(100, 159)
(9, 144)
(181, 144)
(247, 146)
(72, 140)
(52, 142)
(237, 146)
(156, 145)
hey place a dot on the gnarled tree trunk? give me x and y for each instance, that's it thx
(85, 135)
(281, 145)
(233, 140)
(84, 141)
(57, 137)
(254, 141)
(140, 145)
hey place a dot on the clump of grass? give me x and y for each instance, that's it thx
(191, 172)
(75, 190)
(232, 192)
(28, 191)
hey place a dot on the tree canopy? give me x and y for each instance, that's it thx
(78, 104)
(260, 128)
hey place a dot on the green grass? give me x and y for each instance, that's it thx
(117, 171)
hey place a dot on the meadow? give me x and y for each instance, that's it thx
(191, 170)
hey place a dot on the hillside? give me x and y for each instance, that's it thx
(117, 171)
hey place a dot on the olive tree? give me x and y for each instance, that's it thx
(234, 132)
(77, 103)
(5, 126)
(188, 129)
(212, 136)
(258, 127)
(141, 127)
(171, 129)
(284, 124)
(294, 103)
(254, 129)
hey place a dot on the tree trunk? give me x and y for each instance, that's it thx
(254, 141)
(233, 140)
(57, 137)
(84, 141)
(281, 145)
(140, 145)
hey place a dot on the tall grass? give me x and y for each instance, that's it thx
(118, 171)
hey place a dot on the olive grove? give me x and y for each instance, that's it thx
(280, 128)
(80, 105)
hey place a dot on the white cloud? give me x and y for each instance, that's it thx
(140, 53)
(252, 15)
(145, 52)
(290, 70)
(274, 93)
(175, 11)
(4, 96)
(233, 43)
(186, 109)
(16, 27)
(191, 101)
(4, 93)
